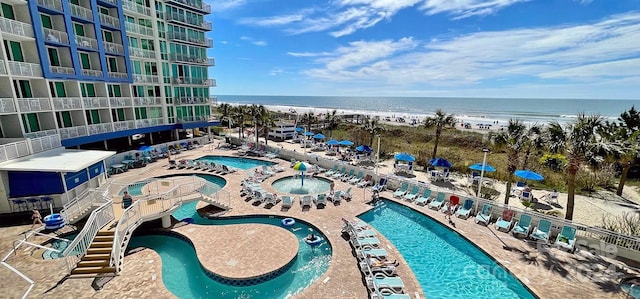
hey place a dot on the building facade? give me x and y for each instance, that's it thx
(94, 71)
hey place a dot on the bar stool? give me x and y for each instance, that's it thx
(45, 201)
(35, 203)
(21, 205)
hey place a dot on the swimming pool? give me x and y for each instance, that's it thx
(293, 185)
(183, 276)
(58, 245)
(135, 189)
(445, 264)
(236, 162)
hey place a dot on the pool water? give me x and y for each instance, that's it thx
(183, 276)
(59, 245)
(294, 185)
(445, 264)
(135, 189)
(236, 162)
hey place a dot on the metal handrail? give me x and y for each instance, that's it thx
(96, 221)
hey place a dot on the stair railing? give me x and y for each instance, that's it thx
(214, 194)
(96, 221)
(80, 204)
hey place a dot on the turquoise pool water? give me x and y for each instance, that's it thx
(294, 185)
(446, 265)
(59, 245)
(136, 188)
(183, 276)
(236, 162)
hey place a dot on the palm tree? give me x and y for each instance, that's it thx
(532, 141)
(257, 112)
(309, 119)
(225, 113)
(628, 135)
(512, 139)
(331, 121)
(238, 115)
(372, 127)
(440, 120)
(581, 140)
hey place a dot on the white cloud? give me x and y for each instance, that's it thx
(466, 8)
(274, 20)
(585, 53)
(222, 5)
(276, 71)
(259, 43)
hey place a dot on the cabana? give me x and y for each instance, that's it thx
(52, 177)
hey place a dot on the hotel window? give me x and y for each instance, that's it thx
(114, 91)
(107, 35)
(85, 61)
(30, 122)
(22, 88)
(113, 64)
(46, 21)
(57, 89)
(78, 29)
(64, 119)
(76, 2)
(104, 11)
(14, 51)
(7, 11)
(93, 116)
(118, 114)
(141, 113)
(88, 89)
(54, 58)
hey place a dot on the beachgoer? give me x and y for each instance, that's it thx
(36, 217)
(376, 262)
(127, 200)
(449, 211)
(311, 237)
(331, 187)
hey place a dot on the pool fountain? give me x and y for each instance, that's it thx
(293, 185)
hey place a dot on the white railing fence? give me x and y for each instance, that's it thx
(96, 221)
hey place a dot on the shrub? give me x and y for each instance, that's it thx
(628, 223)
(555, 162)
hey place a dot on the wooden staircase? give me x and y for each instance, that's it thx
(97, 259)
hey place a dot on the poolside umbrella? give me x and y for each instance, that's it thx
(318, 136)
(299, 130)
(145, 148)
(404, 157)
(478, 167)
(346, 142)
(364, 148)
(302, 168)
(308, 133)
(529, 175)
(333, 142)
(440, 162)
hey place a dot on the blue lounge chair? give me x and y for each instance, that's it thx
(387, 294)
(380, 186)
(424, 198)
(337, 197)
(505, 220)
(346, 194)
(542, 231)
(356, 179)
(340, 173)
(348, 176)
(485, 215)
(466, 208)
(369, 241)
(332, 171)
(378, 253)
(412, 194)
(321, 199)
(523, 226)
(403, 189)
(437, 203)
(381, 281)
(566, 239)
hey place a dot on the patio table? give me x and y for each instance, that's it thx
(128, 163)
(118, 168)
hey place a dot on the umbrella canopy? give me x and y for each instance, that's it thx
(364, 148)
(528, 175)
(299, 130)
(440, 162)
(145, 148)
(333, 142)
(404, 157)
(346, 142)
(300, 166)
(478, 166)
(318, 136)
(308, 133)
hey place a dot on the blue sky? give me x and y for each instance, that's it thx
(461, 48)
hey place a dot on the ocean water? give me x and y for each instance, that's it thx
(474, 110)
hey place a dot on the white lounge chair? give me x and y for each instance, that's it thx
(306, 201)
(321, 199)
(346, 194)
(287, 201)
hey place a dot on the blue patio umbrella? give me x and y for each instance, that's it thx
(302, 168)
(318, 136)
(145, 148)
(299, 130)
(440, 162)
(478, 167)
(364, 148)
(308, 133)
(333, 142)
(528, 175)
(404, 157)
(346, 142)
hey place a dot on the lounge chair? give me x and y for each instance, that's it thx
(387, 294)
(551, 197)
(346, 194)
(378, 253)
(305, 201)
(356, 179)
(566, 239)
(321, 199)
(362, 242)
(332, 171)
(348, 176)
(424, 198)
(522, 226)
(437, 203)
(382, 281)
(484, 216)
(365, 182)
(466, 208)
(337, 197)
(387, 270)
(505, 220)
(287, 201)
(364, 233)
(403, 189)
(380, 186)
(269, 198)
(542, 231)
(412, 194)
(267, 171)
(340, 173)
(451, 205)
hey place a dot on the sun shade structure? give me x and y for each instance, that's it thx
(404, 157)
(65, 160)
(302, 168)
(364, 148)
(440, 162)
(346, 142)
(478, 166)
(333, 142)
(318, 136)
(309, 133)
(528, 175)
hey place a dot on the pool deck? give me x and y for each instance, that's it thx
(550, 273)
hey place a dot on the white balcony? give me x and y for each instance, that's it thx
(183, 37)
(67, 103)
(118, 75)
(73, 132)
(81, 12)
(145, 79)
(200, 6)
(194, 101)
(120, 102)
(34, 104)
(52, 4)
(113, 2)
(96, 102)
(99, 128)
(92, 73)
(62, 70)
(113, 48)
(86, 42)
(3, 68)
(134, 7)
(144, 101)
(137, 29)
(124, 125)
(193, 81)
(56, 36)
(41, 134)
(25, 69)
(7, 105)
(198, 118)
(149, 122)
(189, 21)
(142, 53)
(109, 21)
(179, 57)
(15, 27)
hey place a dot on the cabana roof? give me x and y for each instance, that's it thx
(57, 160)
